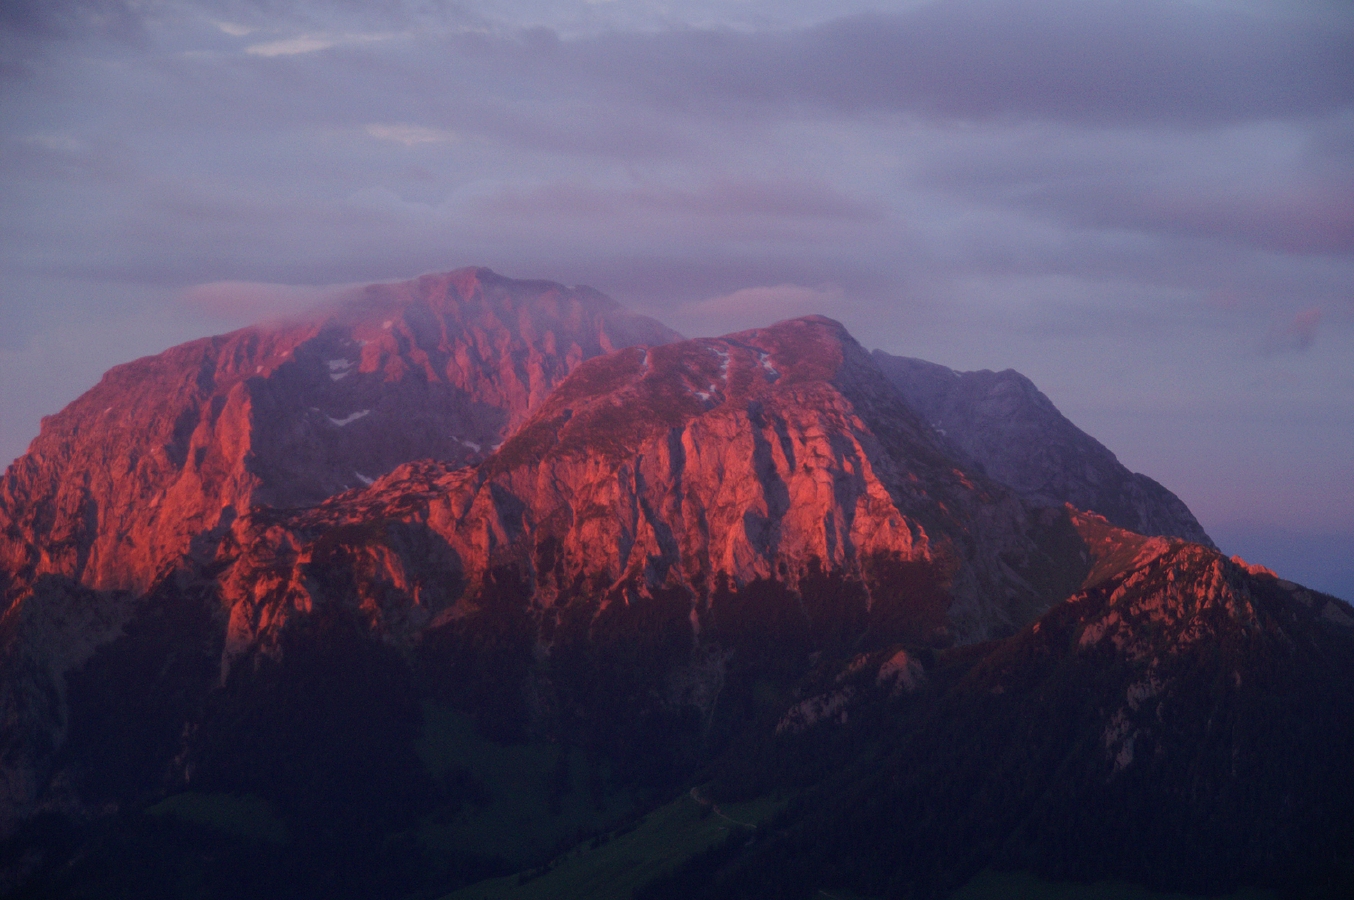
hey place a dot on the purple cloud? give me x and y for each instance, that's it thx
(1154, 62)
(1296, 334)
(723, 199)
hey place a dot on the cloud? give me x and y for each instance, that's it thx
(724, 199)
(250, 301)
(305, 43)
(46, 20)
(312, 43)
(1155, 61)
(411, 135)
(1278, 186)
(233, 29)
(57, 143)
(1295, 335)
(754, 307)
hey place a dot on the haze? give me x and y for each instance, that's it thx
(1147, 208)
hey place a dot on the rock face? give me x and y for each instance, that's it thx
(1005, 425)
(762, 456)
(164, 452)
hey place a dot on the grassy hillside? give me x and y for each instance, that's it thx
(611, 867)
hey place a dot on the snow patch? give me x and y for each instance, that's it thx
(765, 359)
(348, 419)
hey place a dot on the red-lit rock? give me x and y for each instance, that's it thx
(161, 456)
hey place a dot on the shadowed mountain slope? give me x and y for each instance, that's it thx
(1183, 721)
(1005, 425)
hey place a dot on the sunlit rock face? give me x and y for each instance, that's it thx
(764, 456)
(1007, 427)
(159, 457)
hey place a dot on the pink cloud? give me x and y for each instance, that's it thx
(754, 307)
(784, 199)
(1296, 219)
(1299, 333)
(249, 301)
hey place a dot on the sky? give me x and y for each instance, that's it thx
(1147, 207)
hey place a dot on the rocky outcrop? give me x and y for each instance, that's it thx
(1006, 426)
(157, 460)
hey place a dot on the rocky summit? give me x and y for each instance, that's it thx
(467, 584)
(158, 458)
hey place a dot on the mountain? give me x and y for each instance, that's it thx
(1007, 427)
(1182, 721)
(158, 458)
(763, 456)
(681, 575)
(146, 472)
(727, 507)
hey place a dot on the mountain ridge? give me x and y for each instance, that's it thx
(745, 562)
(166, 450)
(1009, 428)
(749, 457)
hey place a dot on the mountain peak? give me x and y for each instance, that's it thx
(165, 451)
